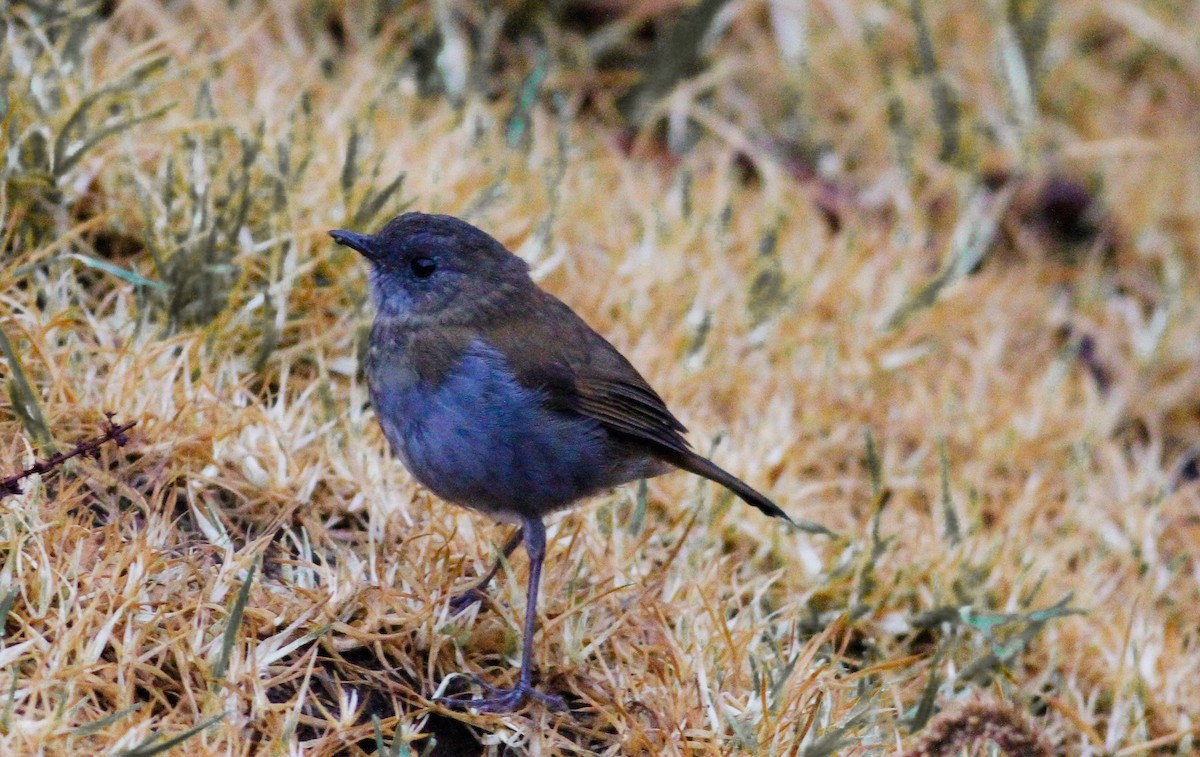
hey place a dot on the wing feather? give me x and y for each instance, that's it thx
(577, 370)
(630, 409)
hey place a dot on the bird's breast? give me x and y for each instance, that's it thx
(479, 438)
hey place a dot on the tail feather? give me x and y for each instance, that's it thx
(702, 466)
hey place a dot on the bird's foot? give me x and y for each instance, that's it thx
(460, 602)
(498, 700)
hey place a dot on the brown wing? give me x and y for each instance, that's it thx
(579, 371)
(552, 350)
(631, 408)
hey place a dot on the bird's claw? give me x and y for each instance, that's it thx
(460, 602)
(500, 700)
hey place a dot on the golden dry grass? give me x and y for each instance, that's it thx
(1032, 428)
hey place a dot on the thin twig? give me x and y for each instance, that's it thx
(112, 433)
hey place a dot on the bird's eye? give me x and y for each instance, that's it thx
(423, 268)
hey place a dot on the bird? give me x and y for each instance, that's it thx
(496, 396)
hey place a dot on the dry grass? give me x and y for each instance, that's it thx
(1009, 453)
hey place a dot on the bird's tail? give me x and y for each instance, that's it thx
(702, 466)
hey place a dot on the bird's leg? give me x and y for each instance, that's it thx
(476, 593)
(510, 700)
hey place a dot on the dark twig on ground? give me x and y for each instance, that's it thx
(90, 447)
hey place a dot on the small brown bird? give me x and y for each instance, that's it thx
(498, 397)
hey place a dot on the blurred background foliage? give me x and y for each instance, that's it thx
(987, 117)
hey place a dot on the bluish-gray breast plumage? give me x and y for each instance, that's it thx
(481, 439)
